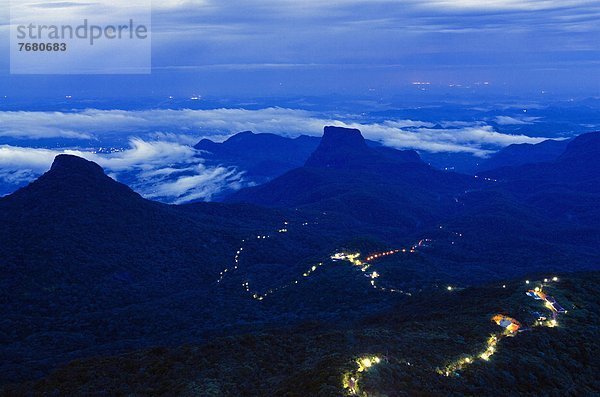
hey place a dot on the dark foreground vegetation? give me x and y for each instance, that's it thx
(413, 340)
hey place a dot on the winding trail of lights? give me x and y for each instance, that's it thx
(350, 257)
(364, 267)
(459, 364)
(246, 284)
(238, 253)
(271, 291)
(512, 328)
(352, 380)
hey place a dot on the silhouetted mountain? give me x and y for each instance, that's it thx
(81, 255)
(265, 156)
(380, 186)
(340, 147)
(345, 148)
(584, 150)
(261, 156)
(580, 162)
(525, 153)
(70, 182)
(75, 219)
(565, 192)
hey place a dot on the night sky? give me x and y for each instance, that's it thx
(348, 47)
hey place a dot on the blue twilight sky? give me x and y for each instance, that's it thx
(460, 79)
(287, 48)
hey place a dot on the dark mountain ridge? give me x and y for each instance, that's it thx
(261, 156)
(381, 186)
(580, 161)
(524, 153)
(91, 266)
(345, 148)
(506, 218)
(265, 156)
(565, 190)
(584, 150)
(256, 148)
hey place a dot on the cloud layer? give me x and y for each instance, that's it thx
(161, 170)
(187, 125)
(159, 161)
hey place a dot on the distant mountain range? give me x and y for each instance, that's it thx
(524, 153)
(578, 162)
(344, 170)
(254, 159)
(529, 206)
(263, 157)
(378, 186)
(91, 268)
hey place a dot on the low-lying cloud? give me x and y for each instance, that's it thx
(166, 171)
(508, 120)
(188, 126)
(158, 158)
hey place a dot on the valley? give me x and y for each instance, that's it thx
(364, 272)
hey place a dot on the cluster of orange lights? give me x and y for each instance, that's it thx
(508, 323)
(382, 254)
(412, 250)
(387, 253)
(539, 293)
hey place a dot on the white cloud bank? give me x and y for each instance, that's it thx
(167, 171)
(190, 125)
(508, 120)
(161, 163)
